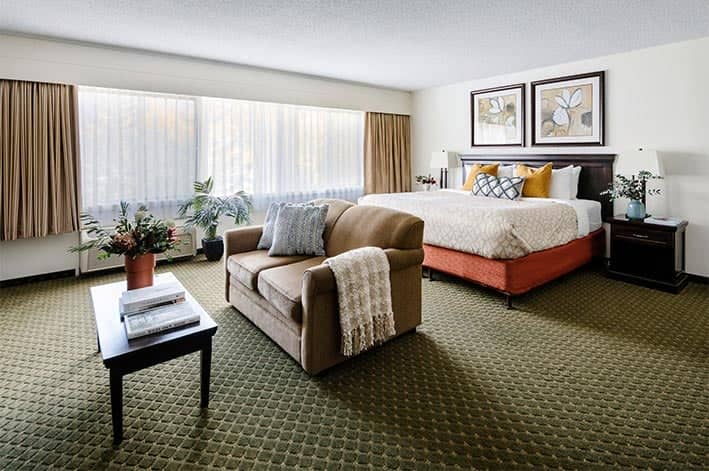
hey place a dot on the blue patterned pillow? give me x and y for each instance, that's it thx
(269, 224)
(299, 231)
(509, 188)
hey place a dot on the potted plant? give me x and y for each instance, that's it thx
(426, 180)
(633, 188)
(138, 239)
(208, 209)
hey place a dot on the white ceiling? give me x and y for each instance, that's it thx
(407, 45)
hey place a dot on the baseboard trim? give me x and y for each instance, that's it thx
(41, 277)
(67, 273)
(704, 280)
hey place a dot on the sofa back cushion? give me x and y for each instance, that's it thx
(335, 209)
(373, 226)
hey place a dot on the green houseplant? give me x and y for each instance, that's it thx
(633, 188)
(137, 238)
(207, 210)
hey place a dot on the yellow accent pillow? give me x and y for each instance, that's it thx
(477, 168)
(536, 180)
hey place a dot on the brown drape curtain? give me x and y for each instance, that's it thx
(387, 153)
(39, 159)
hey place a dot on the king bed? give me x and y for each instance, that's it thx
(511, 246)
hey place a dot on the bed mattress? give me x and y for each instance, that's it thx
(490, 227)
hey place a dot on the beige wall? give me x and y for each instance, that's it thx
(25, 58)
(655, 98)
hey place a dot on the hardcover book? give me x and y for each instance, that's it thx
(139, 300)
(160, 319)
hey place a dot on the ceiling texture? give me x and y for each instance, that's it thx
(407, 45)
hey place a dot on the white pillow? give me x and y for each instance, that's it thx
(506, 171)
(575, 182)
(562, 183)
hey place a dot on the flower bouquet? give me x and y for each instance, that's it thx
(426, 180)
(138, 239)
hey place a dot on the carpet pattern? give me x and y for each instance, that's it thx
(585, 373)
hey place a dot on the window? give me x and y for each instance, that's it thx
(138, 147)
(147, 147)
(282, 152)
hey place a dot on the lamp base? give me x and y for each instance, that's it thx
(443, 182)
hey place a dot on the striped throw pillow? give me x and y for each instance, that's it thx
(299, 231)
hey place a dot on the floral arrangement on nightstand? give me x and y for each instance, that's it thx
(635, 189)
(427, 181)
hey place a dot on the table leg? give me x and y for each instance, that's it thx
(98, 342)
(117, 405)
(205, 367)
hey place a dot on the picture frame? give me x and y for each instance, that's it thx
(497, 116)
(569, 111)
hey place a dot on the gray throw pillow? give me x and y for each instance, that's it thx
(269, 224)
(299, 231)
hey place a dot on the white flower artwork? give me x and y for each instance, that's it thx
(568, 110)
(498, 116)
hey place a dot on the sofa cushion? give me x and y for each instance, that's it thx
(282, 286)
(246, 266)
(363, 226)
(334, 211)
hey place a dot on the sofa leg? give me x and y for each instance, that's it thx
(508, 301)
(430, 274)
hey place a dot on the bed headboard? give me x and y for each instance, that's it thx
(595, 177)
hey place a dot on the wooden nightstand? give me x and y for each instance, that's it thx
(650, 252)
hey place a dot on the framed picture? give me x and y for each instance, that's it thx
(568, 110)
(497, 116)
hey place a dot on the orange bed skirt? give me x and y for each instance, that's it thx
(519, 275)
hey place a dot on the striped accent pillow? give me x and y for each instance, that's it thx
(269, 224)
(509, 188)
(299, 231)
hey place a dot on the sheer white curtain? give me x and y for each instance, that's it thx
(138, 147)
(150, 147)
(282, 152)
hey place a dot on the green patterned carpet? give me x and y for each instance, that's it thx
(586, 373)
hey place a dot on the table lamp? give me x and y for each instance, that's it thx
(443, 160)
(633, 161)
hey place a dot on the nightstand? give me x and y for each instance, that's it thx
(649, 252)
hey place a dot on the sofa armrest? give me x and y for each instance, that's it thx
(317, 280)
(320, 279)
(400, 259)
(241, 239)
(320, 347)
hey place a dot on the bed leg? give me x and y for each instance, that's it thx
(508, 301)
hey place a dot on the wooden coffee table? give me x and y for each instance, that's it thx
(123, 357)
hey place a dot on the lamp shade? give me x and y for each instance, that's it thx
(632, 161)
(443, 159)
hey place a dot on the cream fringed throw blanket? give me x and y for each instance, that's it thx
(364, 295)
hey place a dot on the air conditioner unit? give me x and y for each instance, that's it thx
(185, 247)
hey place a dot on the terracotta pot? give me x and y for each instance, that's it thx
(140, 270)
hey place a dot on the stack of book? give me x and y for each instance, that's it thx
(155, 309)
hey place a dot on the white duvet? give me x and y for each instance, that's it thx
(491, 227)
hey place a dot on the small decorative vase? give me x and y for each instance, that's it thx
(140, 270)
(636, 210)
(429, 187)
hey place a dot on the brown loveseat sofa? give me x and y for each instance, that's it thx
(294, 299)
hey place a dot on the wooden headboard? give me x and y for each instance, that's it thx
(595, 177)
